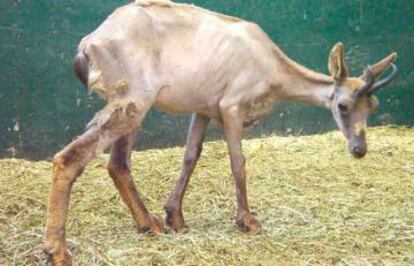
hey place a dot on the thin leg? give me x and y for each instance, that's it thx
(69, 164)
(173, 208)
(119, 168)
(233, 127)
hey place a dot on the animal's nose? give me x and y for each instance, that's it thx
(359, 151)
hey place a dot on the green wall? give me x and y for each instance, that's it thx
(43, 106)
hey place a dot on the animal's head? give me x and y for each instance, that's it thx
(353, 98)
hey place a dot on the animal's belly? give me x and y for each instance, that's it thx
(177, 101)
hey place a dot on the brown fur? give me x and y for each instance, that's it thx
(185, 59)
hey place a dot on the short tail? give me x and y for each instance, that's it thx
(81, 67)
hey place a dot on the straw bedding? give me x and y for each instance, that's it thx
(318, 205)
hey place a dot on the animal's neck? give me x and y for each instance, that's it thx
(302, 84)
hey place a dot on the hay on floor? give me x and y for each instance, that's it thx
(318, 206)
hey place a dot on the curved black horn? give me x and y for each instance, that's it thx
(384, 82)
(369, 82)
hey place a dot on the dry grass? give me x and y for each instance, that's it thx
(318, 206)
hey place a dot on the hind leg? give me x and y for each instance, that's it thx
(120, 171)
(112, 123)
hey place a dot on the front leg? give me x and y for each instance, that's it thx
(173, 207)
(233, 127)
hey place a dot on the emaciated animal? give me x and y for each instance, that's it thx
(183, 59)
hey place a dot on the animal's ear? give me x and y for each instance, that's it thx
(337, 65)
(379, 68)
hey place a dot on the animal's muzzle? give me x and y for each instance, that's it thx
(358, 145)
(359, 151)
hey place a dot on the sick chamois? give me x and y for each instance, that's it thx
(183, 59)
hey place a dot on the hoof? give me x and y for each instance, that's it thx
(155, 226)
(248, 223)
(57, 256)
(175, 219)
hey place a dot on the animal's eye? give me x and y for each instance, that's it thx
(343, 108)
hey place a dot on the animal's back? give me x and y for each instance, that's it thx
(185, 50)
